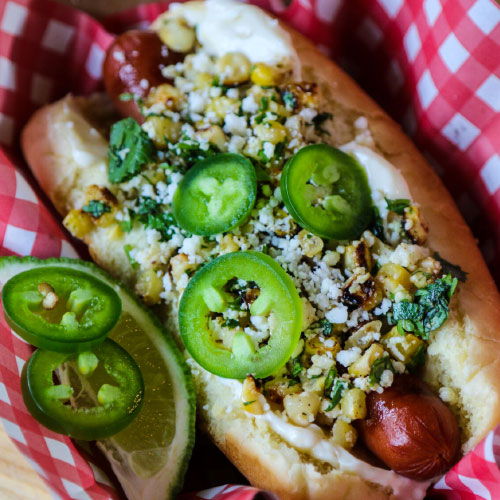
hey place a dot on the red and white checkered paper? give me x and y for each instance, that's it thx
(433, 64)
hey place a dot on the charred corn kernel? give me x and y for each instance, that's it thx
(353, 404)
(228, 244)
(362, 366)
(310, 243)
(250, 397)
(98, 193)
(179, 264)
(222, 106)
(357, 255)
(362, 290)
(149, 286)
(363, 336)
(314, 345)
(401, 347)
(302, 408)
(232, 68)
(344, 434)
(264, 75)
(415, 225)
(214, 135)
(303, 94)
(277, 388)
(162, 130)
(394, 278)
(177, 36)
(272, 132)
(419, 279)
(78, 223)
(165, 94)
(308, 314)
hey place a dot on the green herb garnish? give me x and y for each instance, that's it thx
(397, 206)
(133, 262)
(130, 149)
(379, 366)
(231, 323)
(96, 208)
(319, 120)
(330, 377)
(337, 393)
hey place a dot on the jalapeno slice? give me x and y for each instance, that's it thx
(108, 367)
(255, 285)
(326, 191)
(216, 195)
(60, 309)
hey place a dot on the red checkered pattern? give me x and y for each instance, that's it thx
(433, 64)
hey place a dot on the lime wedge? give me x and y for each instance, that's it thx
(150, 456)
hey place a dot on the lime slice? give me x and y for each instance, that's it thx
(150, 456)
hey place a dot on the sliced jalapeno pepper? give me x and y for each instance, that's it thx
(326, 191)
(60, 309)
(263, 289)
(215, 195)
(108, 368)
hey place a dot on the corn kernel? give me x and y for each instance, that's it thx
(310, 243)
(272, 132)
(263, 75)
(362, 366)
(344, 434)
(228, 244)
(357, 255)
(214, 135)
(419, 279)
(302, 408)
(401, 347)
(177, 35)
(277, 388)
(308, 314)
(179, 264)
(149, 285)
(353, 404)
(162, 129)
(78, 223)
(222, 106)
(114, 232)
(394, 279)
(233, 68)
(250, 397)
(363, 336)
(165, 94)
(314, 346)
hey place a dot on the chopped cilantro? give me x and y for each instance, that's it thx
(430, 309)
(262, 156)
(246, 403)
(152, 215)
(96, 208)
(326, 326)
(289, 100)
(296, 368)
(379, 366)
(133, 262)
(330, 377)
(231, 323)
(127, 224)
(337, 393)
(319, 120)
(418, 359)
(130, 149)
(264, 104)
(377, 225)
(453, 269)
(397, 206)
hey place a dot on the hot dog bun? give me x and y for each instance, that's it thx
(463, 354)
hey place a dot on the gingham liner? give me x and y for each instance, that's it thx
(440, 67)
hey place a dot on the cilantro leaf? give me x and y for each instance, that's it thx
(377, 225)
(330, 377)
(152, 215)
(130, 149)
(133, 262)
(418, 359)
(397, 206)
(231, 323)
(96, 208)
(453, 269)
(319, 120)
(379, 366)
(264, 104)
(430, 309)
(326, 326)
(337, 393)
(289, 100)
(296, 368)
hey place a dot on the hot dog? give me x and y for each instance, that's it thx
(289, 431)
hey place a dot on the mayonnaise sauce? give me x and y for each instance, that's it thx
(224, 26)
